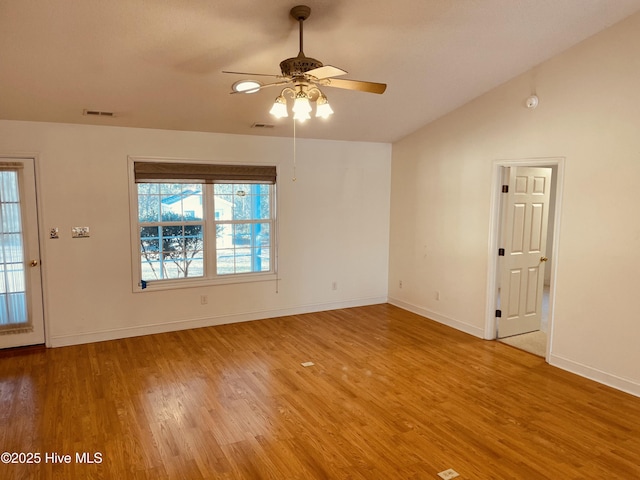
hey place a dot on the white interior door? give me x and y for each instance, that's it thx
(526, 214)
(21, 309)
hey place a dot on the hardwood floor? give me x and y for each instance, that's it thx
(391, 396)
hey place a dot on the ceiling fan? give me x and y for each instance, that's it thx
(306, 75)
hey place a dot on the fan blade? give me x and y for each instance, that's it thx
(254, 74)
(370, 87)
(274, 84)
(326, 72)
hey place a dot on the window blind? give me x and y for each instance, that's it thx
(168, 172)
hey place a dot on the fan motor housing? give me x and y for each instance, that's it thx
(297, 66)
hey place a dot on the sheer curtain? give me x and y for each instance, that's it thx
(13, 302)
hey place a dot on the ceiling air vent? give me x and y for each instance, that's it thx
(97, 113)
(262, 125)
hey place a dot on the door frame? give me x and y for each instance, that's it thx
(41, 244)
(495, 226)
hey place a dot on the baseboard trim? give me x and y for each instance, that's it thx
(613, 381)
(450, 322)
(150, 329)
(596, 375)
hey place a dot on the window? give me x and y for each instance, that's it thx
(202, 223)
(171, 229)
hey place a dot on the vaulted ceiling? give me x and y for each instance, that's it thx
(158, 64)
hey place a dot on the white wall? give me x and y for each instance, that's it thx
(589, 113)
(333, 226)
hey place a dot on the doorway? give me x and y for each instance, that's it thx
(21, 302)
(521, 276)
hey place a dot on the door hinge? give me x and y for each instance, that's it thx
(501, 252)
(505, 188)
(499, 313)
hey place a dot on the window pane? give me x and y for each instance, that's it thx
(14, 276)
(196, 267)
(172, 269)
(265, 261)
(9, 187)
(150, 246)
(225, 261)
(243, 202)
(13, 308)
(148, 208)
(223, 188)
(11, 245)
(151, 269)
(262, 189)
(249, 249)
(148, 188)
(150, 253)
(11, 221)
(262, 252)
(170, 188)
(243, 260)
(223, 201)
(242, 234)
(264, 207)
(183, 202)
(263, 234)
(151, 232)
(169, 202)
(168, 213)
(192, 202)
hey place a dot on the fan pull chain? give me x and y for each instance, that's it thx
(294, 151)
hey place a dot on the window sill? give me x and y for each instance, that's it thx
(160, 285)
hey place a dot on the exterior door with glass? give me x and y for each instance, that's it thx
(21, 309)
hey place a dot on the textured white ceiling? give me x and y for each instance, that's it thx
(158, 64)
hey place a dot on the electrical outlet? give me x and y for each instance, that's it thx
(437, 294)
(54, 233)
(80, 232)
(448, 474)
(400, 284)
(204, 299)
(334, 286)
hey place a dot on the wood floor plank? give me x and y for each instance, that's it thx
(390, 395)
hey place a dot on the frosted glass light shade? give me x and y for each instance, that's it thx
(279, 109)
(323, 109)
(301, 107)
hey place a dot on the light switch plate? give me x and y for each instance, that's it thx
(80, 232)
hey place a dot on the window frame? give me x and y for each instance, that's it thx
(209, 222)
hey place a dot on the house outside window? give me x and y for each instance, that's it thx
(200, 223)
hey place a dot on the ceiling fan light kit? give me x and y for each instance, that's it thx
(307, 76)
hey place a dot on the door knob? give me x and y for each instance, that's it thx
(543, 259)
(34, 263)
